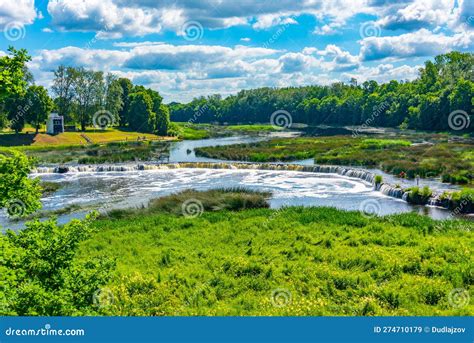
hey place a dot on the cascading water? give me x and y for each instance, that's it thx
(367, 176)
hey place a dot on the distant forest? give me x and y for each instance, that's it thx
(445, 86)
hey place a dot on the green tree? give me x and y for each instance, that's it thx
(162, 120)
(13, 79)
(19, 194)
(113, 96)
(39, 106)
(16, 108)
(63, 89)
(141, 112)
(41, 276)
(88, 90)
(127, 88)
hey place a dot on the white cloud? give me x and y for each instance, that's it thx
(268, 20)
(297, 62)
(420, 43)
(383, 73)
(339, 59)
(418, 14)
(104, 17)
(19, 11)
(140, 17)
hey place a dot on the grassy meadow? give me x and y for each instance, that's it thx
(234, 256)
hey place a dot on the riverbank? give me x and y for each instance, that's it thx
(309, 261)
(192, 131)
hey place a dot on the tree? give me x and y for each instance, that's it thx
(127, 87)
(162, 120)
(13, 79)
(19, 194)
(88, 90)
(40, 275)
(113, 96)
(141, 112)
(16, 108)
(63, 89)
(39, 106)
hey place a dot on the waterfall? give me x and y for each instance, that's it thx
(369, 177)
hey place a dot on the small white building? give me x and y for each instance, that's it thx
(55, 124)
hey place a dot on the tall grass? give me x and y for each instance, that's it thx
(324, 261)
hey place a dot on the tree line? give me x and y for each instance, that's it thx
(443, 86)
(84, 97)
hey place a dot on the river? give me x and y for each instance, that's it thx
(132, 188)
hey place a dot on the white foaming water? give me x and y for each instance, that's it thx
(135, 188)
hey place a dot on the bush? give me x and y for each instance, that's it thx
(43, 277)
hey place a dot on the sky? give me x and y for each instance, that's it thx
(190, 48)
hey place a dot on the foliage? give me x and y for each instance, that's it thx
(140, 112)
(12, 73)
(329, 262)
(444, 86)
(42, 276)
(419, 196)
(213, 200)
(378, 179)
(39, 106)
(19, 194)
(162, 120)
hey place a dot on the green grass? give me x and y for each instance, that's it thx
(234, 199)
(450, 160)
(185, 130)
(324, 261)
(98, 153)
(189, 131)
(75, 138)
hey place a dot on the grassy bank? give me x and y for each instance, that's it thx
(201, 131)
(90, 136)
(293, 261)
(453, 161)
(99, 153)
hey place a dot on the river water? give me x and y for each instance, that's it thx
(132, 188)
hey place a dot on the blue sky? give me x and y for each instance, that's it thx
(188, 48)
